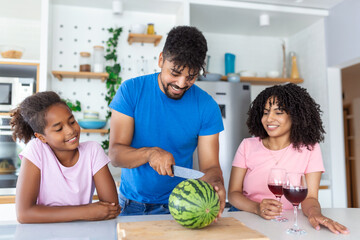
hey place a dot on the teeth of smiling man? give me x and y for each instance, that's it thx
(175, 88)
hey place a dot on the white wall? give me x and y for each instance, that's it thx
(24, 33)
(311, 58)
(77, 29)
(343, 33)
(258, 54)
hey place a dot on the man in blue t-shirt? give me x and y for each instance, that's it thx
(158, 120)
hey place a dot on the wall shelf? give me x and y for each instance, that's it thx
(144, 38)
(266, 81)
(62, 74)
(4, 114)
(101, 131)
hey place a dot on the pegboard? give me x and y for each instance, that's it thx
(78, 29)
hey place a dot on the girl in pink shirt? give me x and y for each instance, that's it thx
(286, 123)
(58, 175)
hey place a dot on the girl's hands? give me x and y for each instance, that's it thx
(103, 211)
(318, 219)
(269, 208)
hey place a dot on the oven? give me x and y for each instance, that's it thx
(9, 160)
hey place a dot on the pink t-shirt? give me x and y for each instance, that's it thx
(64, 186)
(258, 160)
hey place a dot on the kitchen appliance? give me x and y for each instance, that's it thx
(8, 154)
(186, 172)
(13, 91)
(234, 101)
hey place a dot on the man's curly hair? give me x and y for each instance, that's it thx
(186, 47)
(306, 129)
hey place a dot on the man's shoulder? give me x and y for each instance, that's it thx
(141, 79)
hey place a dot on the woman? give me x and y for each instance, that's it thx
(286, 123)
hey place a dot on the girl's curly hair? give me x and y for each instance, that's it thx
(186, 46)
(29, 116)
(306, 129)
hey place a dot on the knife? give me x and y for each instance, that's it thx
(186, 172)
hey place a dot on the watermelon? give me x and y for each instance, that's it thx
(194, 203)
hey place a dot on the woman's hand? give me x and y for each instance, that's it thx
(103, 211)
(318, 219)
(269, 208)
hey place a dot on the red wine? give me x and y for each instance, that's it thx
(295, 195)
(277, 190)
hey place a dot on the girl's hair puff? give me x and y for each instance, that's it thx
(306, 128)
(29, 116)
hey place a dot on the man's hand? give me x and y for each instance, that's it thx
(161, 161)
(220, 189)
(218, 185)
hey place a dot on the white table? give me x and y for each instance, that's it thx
(107, 229)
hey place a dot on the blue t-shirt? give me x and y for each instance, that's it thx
(173, 125)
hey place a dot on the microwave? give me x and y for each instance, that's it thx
(13, 91)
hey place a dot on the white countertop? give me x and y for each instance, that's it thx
(104, 230)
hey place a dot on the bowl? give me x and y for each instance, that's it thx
(273, 74)
(91, 115)
(9, 51)
(247, 73)
(92, 123)
(210, 77)
(233, 77)
(138, 28)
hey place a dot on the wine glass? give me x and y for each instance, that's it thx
(275, 182)
(295, 190)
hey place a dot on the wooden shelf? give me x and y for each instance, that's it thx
(266, 81)
(4, 114)
(144, 38)
(101, 131)
(61, 74)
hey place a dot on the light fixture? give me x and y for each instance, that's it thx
(117, 6)
(264, 20)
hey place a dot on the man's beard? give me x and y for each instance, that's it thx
(167, 92)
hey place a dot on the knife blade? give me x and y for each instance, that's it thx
(186, 172)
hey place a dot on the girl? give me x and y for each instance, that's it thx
(58, 174)
(287, 127)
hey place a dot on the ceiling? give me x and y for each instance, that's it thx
(321, 4)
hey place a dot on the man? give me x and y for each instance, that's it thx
(158, 120)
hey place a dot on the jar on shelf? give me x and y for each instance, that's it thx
(85, 62)
(98, 59)
(294, 69)
(150, 29)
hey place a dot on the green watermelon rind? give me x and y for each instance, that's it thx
(194, 203)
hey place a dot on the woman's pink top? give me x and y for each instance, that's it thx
(60, 185)
(258, 160)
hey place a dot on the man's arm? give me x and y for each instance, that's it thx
(208, 150)
(125, 156)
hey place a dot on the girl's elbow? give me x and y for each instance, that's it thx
(22, 218)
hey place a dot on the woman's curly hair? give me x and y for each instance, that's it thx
(186, 46)
(306, 128)
(29, 116)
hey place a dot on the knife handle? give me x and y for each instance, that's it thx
(172, 169)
